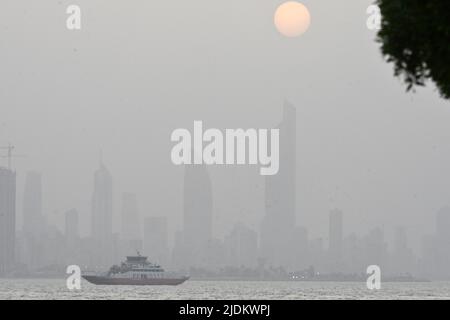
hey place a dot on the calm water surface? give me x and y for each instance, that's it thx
(56, 289)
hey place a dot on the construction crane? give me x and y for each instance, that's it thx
(10, 154)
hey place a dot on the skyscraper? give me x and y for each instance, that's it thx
(34, 223)
(403, 260)
(443, 243)
(278, 225)
(301, 254)
(197, 215)
(375, 248)
(102, 218)
(33, 220)
(72, 237)
(335, 240)
(131, 230)
(130, 217)
(241, 246)
(71, 226)
(7, 219)
(156, 239)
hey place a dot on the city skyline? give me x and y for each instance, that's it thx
(88, 109)
(363, 144)
(341, 250)
(7, 220)
(242, 246)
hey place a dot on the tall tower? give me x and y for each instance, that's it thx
(102, 217)
(443, 243)
(33, 220)
(71, 226)
(278, 224)
(72, 237)
(34, 224)
(242, 246)
(335, 239)
(197, 215)
(131, 231)
(7, 219)
(156, 239)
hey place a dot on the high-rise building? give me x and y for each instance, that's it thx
(130, 217)
(72, 237)
(241, 246)
(7, 220)
(402, 261)
(375, 248)
(428, 264)
(197, 216)
(156, 239)
(443, 243)
(131, 239)
(301, 253)
(179, 251)
(33, 220)
(354, 254)
(102, 218)
(443, 226)
(72, 226)
(335, 240)
(34, 223)
(278, 225)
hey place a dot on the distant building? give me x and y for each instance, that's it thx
(101, 232)
(335, 240)
(72, 237)
(435, 251)
(354, 254)
(278, 225)
(317, 253)
(192, 245)
(33, 220)
(428, 262)
(72, 225)
(301, 252)
(131, 228)
(241, 246)
(156, 239)
(7, 220)
(179, 251)
(215, 254)
(402, 260)
(375, 248)
(442, 244)
(34, 223)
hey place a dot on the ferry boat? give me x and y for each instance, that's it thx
(136, 270)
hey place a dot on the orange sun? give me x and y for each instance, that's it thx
(292, 19)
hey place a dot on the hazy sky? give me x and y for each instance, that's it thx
(140, 69)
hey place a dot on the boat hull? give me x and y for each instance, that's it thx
(101, 280)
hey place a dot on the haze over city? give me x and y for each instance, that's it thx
(113, 92)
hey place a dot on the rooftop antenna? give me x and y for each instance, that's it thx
(10, 155)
